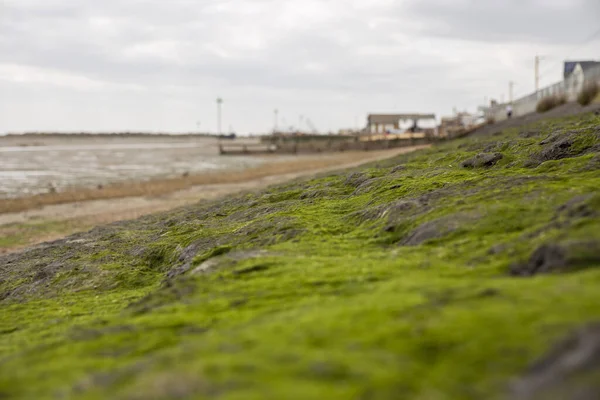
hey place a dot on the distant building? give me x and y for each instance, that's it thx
(347, 131)
(577, 74)
(574, 67)
(460, 122)
(382, 123)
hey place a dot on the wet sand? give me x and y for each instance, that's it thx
(22, 229)
(41, 164)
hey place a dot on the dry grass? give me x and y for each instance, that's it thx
(588, 94)
(160, 187)
(550, 102)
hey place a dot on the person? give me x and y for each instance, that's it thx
(414, 127)
(509, 111)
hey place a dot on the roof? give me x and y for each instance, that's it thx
(394, 118)
(585, 65)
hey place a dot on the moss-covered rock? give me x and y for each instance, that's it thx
(401, 279)
(483, 159)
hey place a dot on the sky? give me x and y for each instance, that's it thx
(159, 66)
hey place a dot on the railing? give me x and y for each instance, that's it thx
(570, 88)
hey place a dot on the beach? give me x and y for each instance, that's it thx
(75, 183)
(38, 164)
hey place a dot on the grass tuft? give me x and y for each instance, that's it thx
(550, 102)
(588, 94)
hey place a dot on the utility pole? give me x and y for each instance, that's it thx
(300, 119)
(276, 125)
(219, 102)
(511, 86)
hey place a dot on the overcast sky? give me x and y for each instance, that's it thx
(159, 65)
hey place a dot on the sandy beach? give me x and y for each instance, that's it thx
(55, 217)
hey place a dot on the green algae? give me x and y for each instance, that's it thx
(388, 281)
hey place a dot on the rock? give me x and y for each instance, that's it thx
(546, 259)
(366, 186)
(199, 246)
(559, 149)
(570, 370)
(559, 258)
(482, 160)
(427, 231)
(435, 229)
(227, 260)
(577, 207)
(553, 137)
(557, 146)
(529, 133)
(356, 179)
(490, 147)
(268, 232)
(187, 255)
(398, 168)
(594, 164)
(497, 249)
(313, 194)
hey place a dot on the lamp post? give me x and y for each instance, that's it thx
(511, 86)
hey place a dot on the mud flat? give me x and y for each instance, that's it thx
(466, 271)
(39, 164)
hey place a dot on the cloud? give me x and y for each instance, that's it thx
(28, 75)
(150, 63)
(533, 21)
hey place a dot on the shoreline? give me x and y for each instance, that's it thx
(26, 222)
(163, 186)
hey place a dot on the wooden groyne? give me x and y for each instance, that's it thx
(233, 148)
(322, 144)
